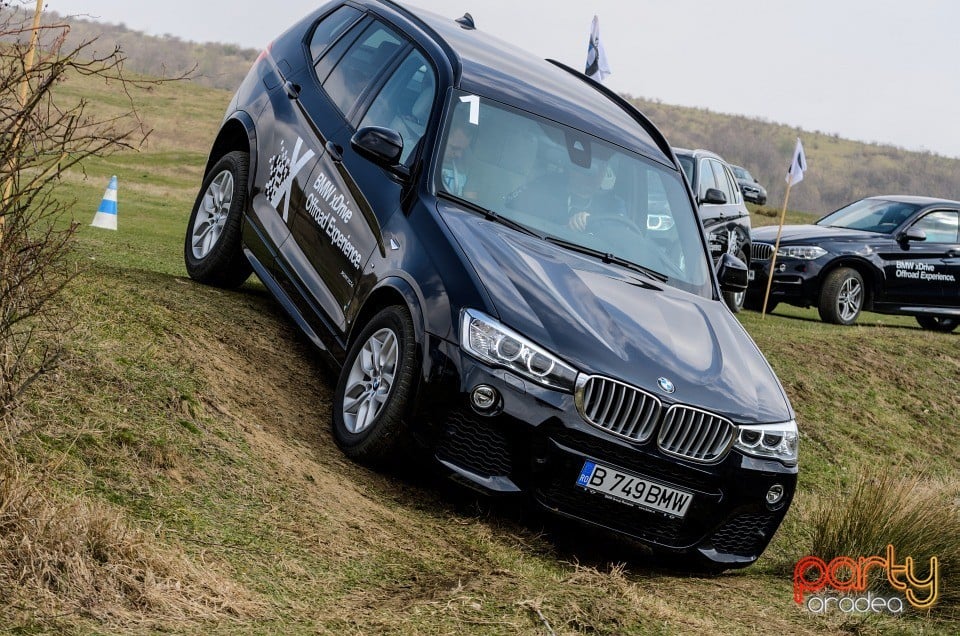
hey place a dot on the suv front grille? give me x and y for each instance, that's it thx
(619, 408)
(695, 434)
(761, 252)
(632, 413)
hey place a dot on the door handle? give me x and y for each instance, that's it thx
(292, 90)
(335, 151)
(953, 253)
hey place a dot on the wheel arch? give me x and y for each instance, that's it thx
(391, 291)
(237, 133)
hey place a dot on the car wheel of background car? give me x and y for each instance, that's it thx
(373, 388)
(212, 251)
(842, 296)
(945, 324)
(735, 300)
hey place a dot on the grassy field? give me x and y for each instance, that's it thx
(186, 464)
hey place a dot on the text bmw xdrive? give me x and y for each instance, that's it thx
(464, 230)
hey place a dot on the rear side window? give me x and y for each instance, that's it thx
(361, 65)
(330, 28)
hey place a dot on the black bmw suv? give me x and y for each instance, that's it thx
(466, 232)
(888, 254)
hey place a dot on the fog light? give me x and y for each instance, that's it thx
(484, 397)
(775, 494)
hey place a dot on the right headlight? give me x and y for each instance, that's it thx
(802, 252)
(497, 344)
(770, 441)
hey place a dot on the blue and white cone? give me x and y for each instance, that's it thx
(106, 216)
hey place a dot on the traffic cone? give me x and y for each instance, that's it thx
(106, 216)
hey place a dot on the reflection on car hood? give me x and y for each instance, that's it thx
(812, 233)
(611, 321)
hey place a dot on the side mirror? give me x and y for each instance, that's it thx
(712, 195)
(382, 146)
(912, 234)
(732, 273)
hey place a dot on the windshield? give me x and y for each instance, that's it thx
(564, 184)
(741, 173)
(871, 215)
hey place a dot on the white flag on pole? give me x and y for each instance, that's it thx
(597, 66)
(797, 166)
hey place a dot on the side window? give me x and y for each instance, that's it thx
(360, 65)
(732, 190)
(940, 227)
(330, 28)
(707, 179)
(405, 102)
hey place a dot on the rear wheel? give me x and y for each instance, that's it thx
(373, 389)
(842, 296)
(945, 324)
(212, 249)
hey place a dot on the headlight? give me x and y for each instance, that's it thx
(485, 338)
(771, 441)
(803, 252)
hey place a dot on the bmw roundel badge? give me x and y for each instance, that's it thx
(666, 385)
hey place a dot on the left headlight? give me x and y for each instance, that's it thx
(803, 252)
(485, 338)
(770, 441)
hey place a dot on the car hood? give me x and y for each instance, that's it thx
(811, 233)
(607, 320)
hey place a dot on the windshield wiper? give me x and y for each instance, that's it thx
(490, 215)
(607, 257)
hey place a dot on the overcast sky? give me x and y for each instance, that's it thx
(871, 70)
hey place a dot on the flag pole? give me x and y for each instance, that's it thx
(24, 86)
(776, 248)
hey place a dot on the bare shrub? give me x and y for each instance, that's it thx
(41, 136)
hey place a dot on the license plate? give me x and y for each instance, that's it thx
(636, 491)
(751, 274)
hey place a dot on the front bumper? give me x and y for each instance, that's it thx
(795, 281)
(537, 443)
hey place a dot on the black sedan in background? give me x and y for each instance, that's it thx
(749, 186)
(504, 263)
(889, 254)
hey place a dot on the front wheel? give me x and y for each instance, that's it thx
(212, 250)
(374, 385)
(842, 296)
(945, 324)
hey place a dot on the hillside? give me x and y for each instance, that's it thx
(186, 480)
(841, 170)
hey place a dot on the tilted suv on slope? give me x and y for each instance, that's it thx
(412, 193)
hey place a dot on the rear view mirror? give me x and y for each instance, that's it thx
(382, 146)
(712, 195)
(912, 234)
(732, 273)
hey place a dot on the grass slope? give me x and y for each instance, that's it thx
(200, 418)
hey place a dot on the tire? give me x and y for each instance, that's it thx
(212, 249)
(368, 420)
(944, 324)
(842, 296)
(735, 300)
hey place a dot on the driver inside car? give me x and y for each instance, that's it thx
(572, 198)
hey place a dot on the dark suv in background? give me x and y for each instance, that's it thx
(725, 217)
(503, 261)
(749, 186)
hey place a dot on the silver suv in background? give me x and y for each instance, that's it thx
(749, 186)
(722, 211)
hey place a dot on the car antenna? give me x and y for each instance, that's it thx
(467, 22)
